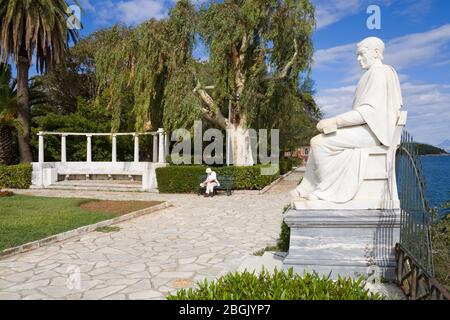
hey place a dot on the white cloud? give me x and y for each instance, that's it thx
(428, 104)
(136, 11)
(336, 100)
(404, 52)
(428, 107)
(86, 5)
(130, 12)
(329, 12)
(419, 48)
(415, 10)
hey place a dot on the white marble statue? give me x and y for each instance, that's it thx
(339, 156)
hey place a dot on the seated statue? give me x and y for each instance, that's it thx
(339, 156)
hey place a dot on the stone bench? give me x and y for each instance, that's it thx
(46, 174)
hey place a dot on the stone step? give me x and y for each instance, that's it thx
(97, 185)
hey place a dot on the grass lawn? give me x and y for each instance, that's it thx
(26, 218)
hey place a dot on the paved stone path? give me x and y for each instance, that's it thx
(153, 254)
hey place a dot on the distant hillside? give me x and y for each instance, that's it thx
(445, 145)
(426, 149)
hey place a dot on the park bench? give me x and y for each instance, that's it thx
(226, 184)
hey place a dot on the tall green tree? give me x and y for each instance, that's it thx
(68, 81)
(8, 114)
(153, 64)
(258, 51)
(260, 55)
(30, 28)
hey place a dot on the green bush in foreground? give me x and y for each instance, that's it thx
(184, 179)
(278, 286)
(285, 235)
(16, 177)
(440, 233)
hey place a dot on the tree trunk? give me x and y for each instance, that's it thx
(6, 150)
(241, 147)
(23, 110)
(241, 143)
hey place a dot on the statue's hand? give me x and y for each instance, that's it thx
(327, 125)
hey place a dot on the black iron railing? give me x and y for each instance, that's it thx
(415, 272)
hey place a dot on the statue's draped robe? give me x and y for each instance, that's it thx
(337, 161)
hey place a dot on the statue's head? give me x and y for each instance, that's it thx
(369, 51)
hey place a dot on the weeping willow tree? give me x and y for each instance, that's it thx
(154, 64)
(258, 51)
(260, 55)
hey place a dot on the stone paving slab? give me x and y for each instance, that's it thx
(151, 255)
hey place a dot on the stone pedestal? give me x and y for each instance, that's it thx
(343, 242)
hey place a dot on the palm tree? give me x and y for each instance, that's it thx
(8, 114)
(32, 28)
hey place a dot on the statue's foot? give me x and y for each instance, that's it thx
(311, 197)
(294, 194)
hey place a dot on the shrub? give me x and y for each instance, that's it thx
(16, 177)
(184, 179)
(285, 165)
(440, 233)
(296, 162)
(277, 286)
(285, 234)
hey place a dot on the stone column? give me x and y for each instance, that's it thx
(114, 148)
(41, 147)
(63, 148)
(166, 145)
(89, 148)
(162, 156)
(136, 147)
(155, 148)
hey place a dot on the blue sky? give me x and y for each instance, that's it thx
(416, 32)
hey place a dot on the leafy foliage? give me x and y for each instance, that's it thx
(184, 179)
(148, 75)
(285, 165)
(68, 81)
(144, 60)
(79, 121)
(277, 286)
(425, 149)
(35, 27)
(440, 233)
(33, 32)
(285, 235)
(8, 115)
(17, 176)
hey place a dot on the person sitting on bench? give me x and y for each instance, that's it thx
(210, 182)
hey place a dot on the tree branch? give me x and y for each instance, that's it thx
(211, 112)
(287, 67)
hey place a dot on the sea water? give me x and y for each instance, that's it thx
(436, 170)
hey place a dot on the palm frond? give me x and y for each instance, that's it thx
(35, 28)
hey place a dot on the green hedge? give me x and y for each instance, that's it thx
(285, 234)
(16, 177)
(285, 165)
(296, 162)
(277, 286)
(184, 179)
(440, 237)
